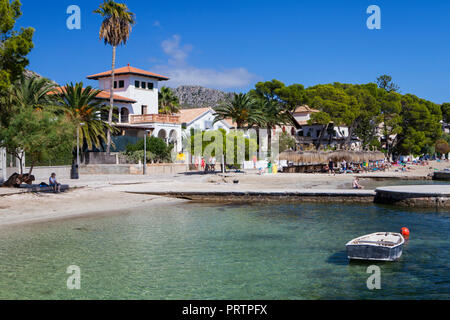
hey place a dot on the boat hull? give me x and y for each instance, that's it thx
(376, 253)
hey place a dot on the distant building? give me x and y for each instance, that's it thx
(202, 119)
(309, 133)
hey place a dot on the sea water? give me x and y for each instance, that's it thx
(197, 251)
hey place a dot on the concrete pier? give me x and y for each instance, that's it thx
(437, 196)
(442, 175)
(307, 195)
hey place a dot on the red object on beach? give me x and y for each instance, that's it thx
(405, 232)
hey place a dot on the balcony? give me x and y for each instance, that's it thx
(154, 118)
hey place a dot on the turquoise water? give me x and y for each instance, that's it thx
(195, 251)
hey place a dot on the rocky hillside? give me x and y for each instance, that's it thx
(31, 74)
(200, 97)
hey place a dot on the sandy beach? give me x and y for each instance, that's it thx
(103, 194)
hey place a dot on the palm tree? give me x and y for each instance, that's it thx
(168, 102)
(115, 30)
(241, 109)
(83, 109)
(32, 92)
(275, 114)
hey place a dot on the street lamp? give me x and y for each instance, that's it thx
(145, 151)
(78, 144)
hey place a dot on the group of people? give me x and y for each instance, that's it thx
(207, 166)
(351, 167)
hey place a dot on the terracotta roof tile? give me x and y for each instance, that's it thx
(128, 70)
(305, 109)
(104, 95)
(189, 115)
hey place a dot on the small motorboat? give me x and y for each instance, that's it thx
(381, 246)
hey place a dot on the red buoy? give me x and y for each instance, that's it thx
(405, 232)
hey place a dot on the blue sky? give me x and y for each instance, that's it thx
(233, 44)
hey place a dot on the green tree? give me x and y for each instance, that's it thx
(321, 118)
(158, 150)
(38, 134)
(217, 148)
(241, 109)
(14, 45)
(274, 114)
(115, 30)
(445, 109)
(267, 91)
(168, 101)
(83, 109)
(33, 92)
(420, 126)
(385, 82)
(292, 96)
(287, 142)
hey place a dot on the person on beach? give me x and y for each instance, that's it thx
(255, 160)
(54, 183)
(203, 164)
(356, 184)
(331, 167)
(213, 165)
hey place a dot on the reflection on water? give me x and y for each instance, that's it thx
(231, 252)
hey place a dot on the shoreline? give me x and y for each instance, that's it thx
(94, 195)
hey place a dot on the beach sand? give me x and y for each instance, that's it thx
(103, 194)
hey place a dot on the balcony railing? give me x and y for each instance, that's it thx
(152, 118)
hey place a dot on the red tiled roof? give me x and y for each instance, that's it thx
(305, 109)
(188, 115)
(128, 70)
(103, 95)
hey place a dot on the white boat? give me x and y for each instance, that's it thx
(382, 246)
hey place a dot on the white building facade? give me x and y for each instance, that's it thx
(136, 98)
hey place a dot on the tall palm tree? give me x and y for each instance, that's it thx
(83, 109)
(241, 109)
(115, 30)
(168, 101)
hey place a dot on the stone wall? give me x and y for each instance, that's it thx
(152, 169)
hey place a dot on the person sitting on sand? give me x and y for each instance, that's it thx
(356, 184)
(54, 183)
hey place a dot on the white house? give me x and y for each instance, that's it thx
(202, 119)
(136, 97)
(310, 133)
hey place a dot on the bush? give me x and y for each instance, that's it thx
(157, 150)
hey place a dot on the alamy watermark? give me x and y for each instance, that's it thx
(374, 281)
(74, 280)
(73, 22)
(374, 20)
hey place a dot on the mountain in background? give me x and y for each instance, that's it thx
(200, 97)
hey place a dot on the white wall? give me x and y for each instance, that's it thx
(145, 97)
(168, 128)
(201, 123)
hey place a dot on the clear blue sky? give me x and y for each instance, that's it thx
(233, 44)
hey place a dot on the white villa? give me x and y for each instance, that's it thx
(136, 97)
